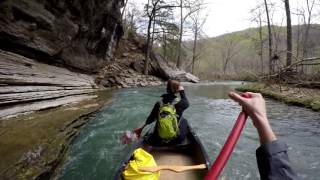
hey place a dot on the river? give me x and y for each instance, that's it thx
(96, 152)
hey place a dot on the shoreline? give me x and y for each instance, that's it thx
(304, 97)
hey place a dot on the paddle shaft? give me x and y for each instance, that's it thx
(227, 149)
(174, 168)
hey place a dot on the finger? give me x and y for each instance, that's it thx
(253, 94)
(246, 95)
(236, 97)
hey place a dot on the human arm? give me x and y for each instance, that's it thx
(272, 158)
(151, 118)
(183, 104)
(153, 114)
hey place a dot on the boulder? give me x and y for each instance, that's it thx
(160, 67)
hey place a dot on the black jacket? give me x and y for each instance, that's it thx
(182, 105)
(273, 162)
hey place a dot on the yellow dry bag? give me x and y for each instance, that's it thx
(141, 158)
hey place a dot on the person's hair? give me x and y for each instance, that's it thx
(172, 86)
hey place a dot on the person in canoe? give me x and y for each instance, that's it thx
(170, 127)
(272, 158)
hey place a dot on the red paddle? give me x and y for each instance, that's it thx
(130, 136)
(227, 149)
(138, 131)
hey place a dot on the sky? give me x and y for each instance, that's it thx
(225, 16)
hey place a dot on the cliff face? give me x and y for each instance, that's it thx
(46, 46)
(80, 34)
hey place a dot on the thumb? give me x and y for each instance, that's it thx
(236, 97)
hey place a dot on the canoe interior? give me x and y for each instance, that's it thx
(190, 152)
(187, 156)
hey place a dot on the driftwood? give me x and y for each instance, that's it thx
(309, 84)
(289, 74)
(290, 67)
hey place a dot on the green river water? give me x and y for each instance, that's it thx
(96, 153)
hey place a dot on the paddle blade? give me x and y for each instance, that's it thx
(128, 137)
(138, 131)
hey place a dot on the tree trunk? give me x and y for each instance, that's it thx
(165, 45)
(146, 63)
(225, 65)
(194, 45)
(271, 71)
(298, 40)
(152, 38)
(180, 35)
(307, 29)
(289, 33)
(261, 43)
(124, 8)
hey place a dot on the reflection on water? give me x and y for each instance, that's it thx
(96, 153)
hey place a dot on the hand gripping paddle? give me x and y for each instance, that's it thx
(227, 149)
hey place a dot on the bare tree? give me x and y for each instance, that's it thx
(180, 35)
(151, 12)
(131, 17)
(307, 25)
(190, 6)
(298, 35)
(170, 33)
(197, 23)
(124, 7)
(257, 13)
(289, 33)
(271, 70)
(303, 43)
(228, 50)
(152, 9)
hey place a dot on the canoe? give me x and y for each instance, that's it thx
(189, 152)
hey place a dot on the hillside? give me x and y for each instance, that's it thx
(241, 49)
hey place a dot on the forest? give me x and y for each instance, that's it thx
(270, 50)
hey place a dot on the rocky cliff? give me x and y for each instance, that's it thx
(49, 50)
(53, 50)
(80, 34)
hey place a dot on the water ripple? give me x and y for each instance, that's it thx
(97, 152)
